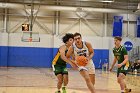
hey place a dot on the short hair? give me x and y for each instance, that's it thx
(76, 34)
(118, 38)
(67, 37)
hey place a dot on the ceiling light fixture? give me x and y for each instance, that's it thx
(107, 1)
(138, 6)
(29, 11)
(80, 12)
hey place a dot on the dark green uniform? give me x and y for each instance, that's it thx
(119, 54)
(59, 65)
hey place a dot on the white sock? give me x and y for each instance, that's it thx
(122, 90)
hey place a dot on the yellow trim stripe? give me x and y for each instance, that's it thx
(56, 58)
(127, 64)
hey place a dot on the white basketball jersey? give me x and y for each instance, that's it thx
(81, 51)
(84, 51)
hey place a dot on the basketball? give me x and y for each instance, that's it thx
(81, 60)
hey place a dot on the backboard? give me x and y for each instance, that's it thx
(29, 36)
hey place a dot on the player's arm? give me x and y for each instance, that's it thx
(73, 57)
(70, 52)
(124, 62)
(125, 58)
(114, 62)
(91, 51)
(62, 53)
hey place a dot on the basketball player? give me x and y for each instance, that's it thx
(59, 63)
(120, 56)
(80, 48)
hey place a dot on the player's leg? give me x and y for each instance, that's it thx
(58, 73)
(92, 78)
(60, 82)
(126, 89)
(65, 80)
(91, 71)
(86, 76)
(120, 80)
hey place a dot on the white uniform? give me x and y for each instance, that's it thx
(84, 51)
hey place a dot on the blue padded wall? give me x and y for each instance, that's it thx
(40, 57)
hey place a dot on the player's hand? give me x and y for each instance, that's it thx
(86, 62)
(119, 65)
(88, 59)
(110, 69)
(74, 66)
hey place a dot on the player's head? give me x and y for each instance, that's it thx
(68, 38)
(117, 40)
(77, 38)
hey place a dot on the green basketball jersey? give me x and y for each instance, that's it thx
(58, 60)
(119, 54)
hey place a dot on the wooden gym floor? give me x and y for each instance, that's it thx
(43, 80)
